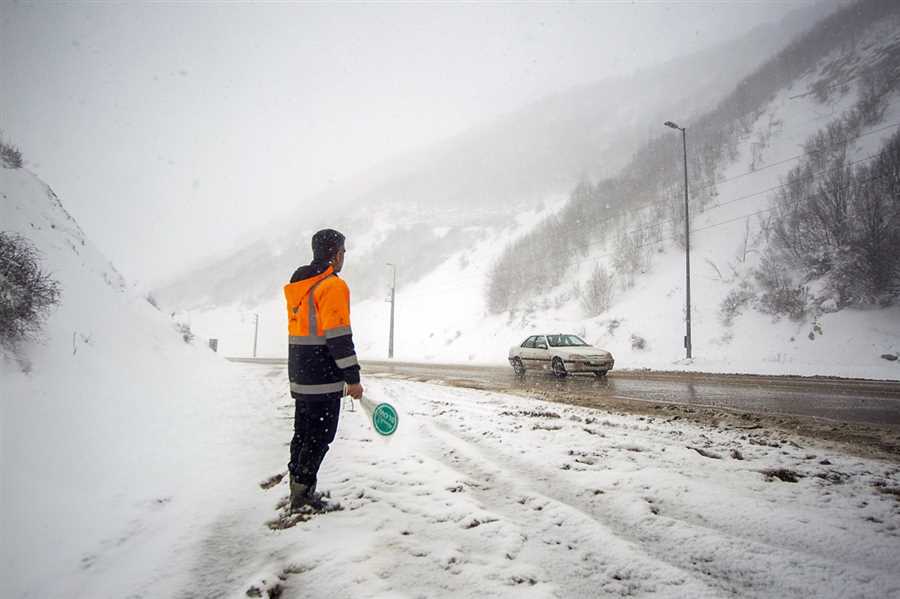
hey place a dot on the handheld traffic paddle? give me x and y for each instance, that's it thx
(383, 416)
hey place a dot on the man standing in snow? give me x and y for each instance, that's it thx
(321, 360)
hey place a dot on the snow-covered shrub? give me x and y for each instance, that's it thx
(10, 155)
(638, 342)
(828, 305)
(597, 292)
(842, 223)
(875, 83)
(564, 297)
(629, 256)
(530, 266)
(867, 269)
(735, 302)
(780, 295)
(184, 330)
(152, 301)
(27, 293)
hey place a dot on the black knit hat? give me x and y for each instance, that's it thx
(325, 244)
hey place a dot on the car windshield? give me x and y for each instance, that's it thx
(565, 341)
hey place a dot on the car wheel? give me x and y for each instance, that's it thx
(600, 373)
(559, 369)
(518, 367)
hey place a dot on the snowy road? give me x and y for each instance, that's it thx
(483, 494)
(872, 402)
(840, 400)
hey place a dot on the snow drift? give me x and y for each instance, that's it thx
(108, 420)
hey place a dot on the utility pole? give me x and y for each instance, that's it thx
(687, 242)
(393, 295)
(255, 332)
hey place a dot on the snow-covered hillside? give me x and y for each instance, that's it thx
(445, 316)
(470, 184)
(111, 425)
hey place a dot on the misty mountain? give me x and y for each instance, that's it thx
(415, 210)
(851, 54)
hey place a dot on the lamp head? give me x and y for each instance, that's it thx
(672, 125)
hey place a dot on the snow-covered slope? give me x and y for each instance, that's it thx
(111, 425)
(445, 318)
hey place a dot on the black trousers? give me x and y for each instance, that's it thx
(315, 425)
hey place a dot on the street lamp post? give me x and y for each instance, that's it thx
(393, 293)
(255, 332)
(687, 242)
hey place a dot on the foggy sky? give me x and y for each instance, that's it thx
(171, 131)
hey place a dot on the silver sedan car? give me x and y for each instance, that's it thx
(561, 354)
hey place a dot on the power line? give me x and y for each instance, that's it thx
(754, 194)
(801, 155)
(769, 190)
(720, 204)
(774, 164)
(832, 86)
(655, 224)
(773, 207)
(665, 238)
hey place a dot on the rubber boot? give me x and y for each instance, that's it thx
(299, 494)
(303, 495)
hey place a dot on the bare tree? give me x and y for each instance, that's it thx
(596, 294)
(27, 293)
(10, 155)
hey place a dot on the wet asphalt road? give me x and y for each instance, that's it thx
(840, 400)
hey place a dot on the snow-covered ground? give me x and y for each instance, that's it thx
(482, 494)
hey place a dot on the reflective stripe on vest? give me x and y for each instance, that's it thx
(338, 332)
(317, 389)
(306, 340)
(311, 308)
(312, 338)
(347, 362)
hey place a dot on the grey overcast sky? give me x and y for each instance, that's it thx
(169, 130)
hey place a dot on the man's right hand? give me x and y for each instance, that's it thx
(355, 391)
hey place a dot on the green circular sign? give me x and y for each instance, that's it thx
(385, 419)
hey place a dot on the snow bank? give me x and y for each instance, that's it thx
(111, 425)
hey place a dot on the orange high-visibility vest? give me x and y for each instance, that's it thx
(318, 308)
(321, 356)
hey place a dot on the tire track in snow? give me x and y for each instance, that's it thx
(748, 566)
(606, 559)
(424, 538)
